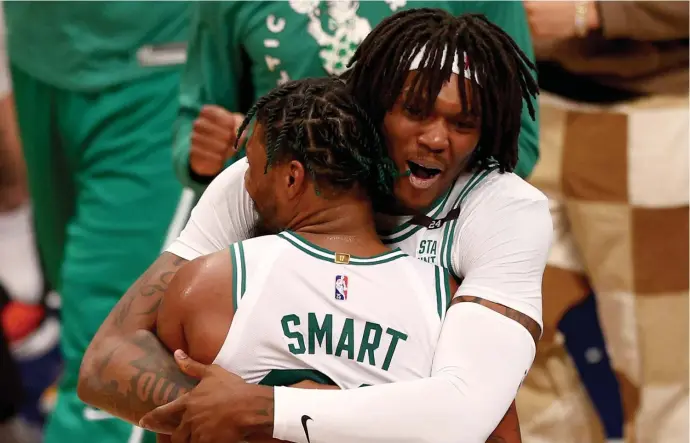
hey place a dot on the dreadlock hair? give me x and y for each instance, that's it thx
(317, 122)
(381, 64)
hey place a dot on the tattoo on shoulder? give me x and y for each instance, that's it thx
(151, 290)
(528, 323)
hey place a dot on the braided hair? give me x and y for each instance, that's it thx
(317, 122)
(380, 66)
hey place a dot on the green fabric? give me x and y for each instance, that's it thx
(280, 45)
(104, 194)
(67, 425)
(90, 45)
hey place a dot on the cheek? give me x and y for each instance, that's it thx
(398, 133)
(463, 144)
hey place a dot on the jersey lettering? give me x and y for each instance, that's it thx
(427, 250)
(320, 335)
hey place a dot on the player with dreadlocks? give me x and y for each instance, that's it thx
(448, 104)
(314, 156)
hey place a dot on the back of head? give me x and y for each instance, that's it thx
(317, 122)
(381, 64)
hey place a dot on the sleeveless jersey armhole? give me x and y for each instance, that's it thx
(239, 273)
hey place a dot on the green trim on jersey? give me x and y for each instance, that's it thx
(397, 236)
(324, 254)
(443, 294)
(239, 273)
(449, 230)
(436, 208)
(289, 377)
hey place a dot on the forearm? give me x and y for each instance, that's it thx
(13, 189)
(130, 375)
(476, 376)
(118, 373)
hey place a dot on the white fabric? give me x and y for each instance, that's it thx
(20, 271)
(380, 317)
(481, 359)
(417, 61)
(502, 244)
(224, 215)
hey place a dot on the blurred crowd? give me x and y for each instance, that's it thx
(101, 161)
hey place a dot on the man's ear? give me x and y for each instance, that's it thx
(296, 179)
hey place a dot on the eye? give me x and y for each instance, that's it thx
(413, 111)
(464, 124)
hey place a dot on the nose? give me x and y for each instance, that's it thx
(434, 137)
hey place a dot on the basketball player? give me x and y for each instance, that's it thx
(335, 305)
(239, 51)
(453, 134)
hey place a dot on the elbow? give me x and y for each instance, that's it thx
(87, 373)
(92, 364)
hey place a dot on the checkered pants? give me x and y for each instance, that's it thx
(617, 177)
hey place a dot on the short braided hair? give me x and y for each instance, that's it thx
(381, 64)
(318, 122)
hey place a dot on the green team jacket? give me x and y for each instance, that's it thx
(91, 45)
(238, 51)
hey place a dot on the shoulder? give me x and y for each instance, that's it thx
(505, 195)
(258, 249)
(225, 191)
(502, 217)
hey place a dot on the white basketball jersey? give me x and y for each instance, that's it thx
(307, 313)
(432, 238)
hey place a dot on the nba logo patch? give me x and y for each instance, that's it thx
(341, 287)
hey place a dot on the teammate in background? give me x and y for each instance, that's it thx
(452, 132)
(95, 86)
(333, 303)
(241, 50)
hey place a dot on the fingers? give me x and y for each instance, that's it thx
(165, 419)
(182, 434)
(189, 366)
(213, 139)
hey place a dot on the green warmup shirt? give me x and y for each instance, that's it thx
(91, 45)
(240, 48)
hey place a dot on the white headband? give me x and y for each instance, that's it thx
(417, 61)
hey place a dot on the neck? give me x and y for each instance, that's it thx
(340, 225)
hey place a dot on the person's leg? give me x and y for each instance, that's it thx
(552, 402)
(626, 180)
(127, 197)
(49, 172)
(587, 348)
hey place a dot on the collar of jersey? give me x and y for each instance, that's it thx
(315, 251)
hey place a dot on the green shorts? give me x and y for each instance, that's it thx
(105, 198)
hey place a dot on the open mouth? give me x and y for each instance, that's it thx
(422, 177)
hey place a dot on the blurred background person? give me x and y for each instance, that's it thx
(20, 275)
(614, 160)
(95, 87)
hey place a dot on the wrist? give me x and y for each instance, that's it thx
(258, 418)
(586, 17)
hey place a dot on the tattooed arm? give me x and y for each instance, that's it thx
(134, 371)
(126, 369)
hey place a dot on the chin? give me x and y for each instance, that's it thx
(415, 199)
